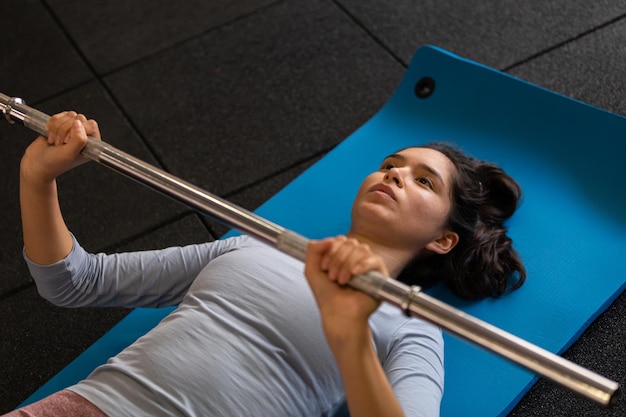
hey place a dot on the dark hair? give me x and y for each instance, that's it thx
(484, 262)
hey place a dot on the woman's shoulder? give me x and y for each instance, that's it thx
(390, 326)
(226, 244)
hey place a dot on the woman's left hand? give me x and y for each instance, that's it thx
(330, 264)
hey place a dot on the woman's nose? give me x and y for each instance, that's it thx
(395, 175)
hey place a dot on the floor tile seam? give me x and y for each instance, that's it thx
(232, 193)
(246, 187)
(58, 93)
(152, 152)
(15, 291)
(369, 33)
(99, 79)
(563, 43)
(188, 39)
(275, 174)
(212, 232)
(152, 229)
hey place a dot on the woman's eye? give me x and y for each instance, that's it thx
(387, 167)
(425, 181)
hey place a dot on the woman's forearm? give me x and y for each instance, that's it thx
(368, 391)
(46, 236)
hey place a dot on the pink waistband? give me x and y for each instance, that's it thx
(63, 403)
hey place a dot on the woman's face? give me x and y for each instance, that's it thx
(405, 203)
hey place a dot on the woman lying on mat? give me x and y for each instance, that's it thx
(250, 334)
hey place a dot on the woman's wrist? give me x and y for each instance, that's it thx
(31, 176)
(348, 340)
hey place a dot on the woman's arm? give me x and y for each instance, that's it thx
(66, 274)
(345, 313)
(151, 278)
(46, 236)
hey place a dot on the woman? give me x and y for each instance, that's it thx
(250, 336)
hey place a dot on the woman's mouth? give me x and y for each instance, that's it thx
(384, 190)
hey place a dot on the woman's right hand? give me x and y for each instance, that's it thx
(47, 158)
(46, 236)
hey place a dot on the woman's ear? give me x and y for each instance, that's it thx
(445, 243)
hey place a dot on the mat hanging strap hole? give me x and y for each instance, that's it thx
(425, 87)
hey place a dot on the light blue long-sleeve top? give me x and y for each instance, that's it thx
(245, 339)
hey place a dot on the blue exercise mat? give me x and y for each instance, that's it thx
(570, 228)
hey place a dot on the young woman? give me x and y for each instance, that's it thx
(250, 334)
